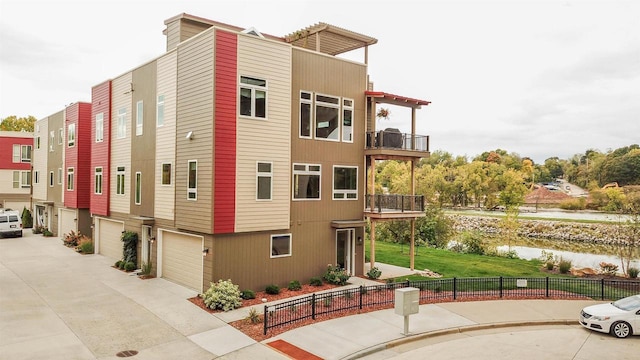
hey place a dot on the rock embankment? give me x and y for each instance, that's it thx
(595, 233)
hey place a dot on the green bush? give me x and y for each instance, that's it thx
(473, 243)
(118, 263)
(253, 316)
(27, 219)
(633, 272)
(564, 266)
(574, 204)
(294, 285)
(47, 233)
(38, 229)
(335, 275)
(272, 289)
(122, 264)
(223, 295)
(550, 265)
(374, 273)
(130, 246)
(248, 294)
(129, 266)
(86, 247)
(146, 268)
(315, 281)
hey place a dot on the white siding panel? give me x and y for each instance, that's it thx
(270, 61)
(166, 137)
(40, 161)
(120, 148)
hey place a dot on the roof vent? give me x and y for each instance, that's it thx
(252, 31)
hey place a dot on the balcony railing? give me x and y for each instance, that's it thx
(395, 203)
(387, 139)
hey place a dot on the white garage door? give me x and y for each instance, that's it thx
(67, 222)
(108, 233)
(16, 205)
(182, 259)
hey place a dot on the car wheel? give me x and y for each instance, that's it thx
(620, 329)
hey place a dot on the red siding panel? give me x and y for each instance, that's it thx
(6, 149)
(224, 191)
(70, 157)
(83, 148)
(100, 151)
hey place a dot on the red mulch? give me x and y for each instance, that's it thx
(292, 351)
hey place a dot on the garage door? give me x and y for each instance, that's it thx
(67, 219)
(108, 233)
(16, 205)
(182, 259)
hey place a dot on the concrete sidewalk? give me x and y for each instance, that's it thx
(57, 304)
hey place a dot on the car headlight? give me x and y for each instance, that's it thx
(600, 318)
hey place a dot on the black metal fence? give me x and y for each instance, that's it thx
(441, 290)
(394, 203)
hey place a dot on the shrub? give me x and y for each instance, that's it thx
(335, 275)
(550, 265)
(27, 219)
(72, 239)
(374, 273)
(129, 266)
(130, 246)
(38, 229)
(253, 316)
(294, 285)
(146, 268)
(564, 266)
(473, 243)
(315, 281)
(47, 233)
(608, 268)
(122, 264)
(272, 289)
(85, 246)
(574, 204)
(247, 294)
(633, 272)
(222, 295)
(118, 263)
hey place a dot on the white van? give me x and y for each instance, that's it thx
(10, 223)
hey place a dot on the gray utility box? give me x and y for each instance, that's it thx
(407, 301)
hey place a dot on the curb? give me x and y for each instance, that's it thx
(454, 330)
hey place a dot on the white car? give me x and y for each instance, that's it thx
(619, 318)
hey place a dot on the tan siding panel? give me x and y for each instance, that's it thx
(166, 137)
(120, 148)
(39, 164)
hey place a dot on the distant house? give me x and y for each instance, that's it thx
(16, 149)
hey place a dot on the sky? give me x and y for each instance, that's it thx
(536, 78)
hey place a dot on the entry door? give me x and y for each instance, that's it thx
(345, 245)
(146, 238)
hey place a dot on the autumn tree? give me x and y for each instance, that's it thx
(14, 123)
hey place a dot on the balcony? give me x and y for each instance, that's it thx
(394, 206)
(392, 144)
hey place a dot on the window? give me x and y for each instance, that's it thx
(305, 114)
(52, 139)
(253, 97)
(16, 179)
(264, 175)
(98, 181)
(280, 245)
(345, 182)
(25, 180)
(51, 179)
(122, 123)
(60, 135)
(36, 177)
(16, 153)
(347, 120)
(327, 117)
(306, 181)
(71, 135)
(139, 117)
(138, 193)
(100, 127)
(166, 174)
(59, 176)
(160, 111)
(38, 142)
(70, 179)
(192, 170)
(26, 154)
(120, 180)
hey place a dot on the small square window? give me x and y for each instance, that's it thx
(280, 245)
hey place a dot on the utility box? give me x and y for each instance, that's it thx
(407, 301)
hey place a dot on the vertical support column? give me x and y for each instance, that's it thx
(413, 128)
(372, 245)
(412, 248)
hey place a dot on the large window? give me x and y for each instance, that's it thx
(139, 117)
(98, 181)
(138, 193)
(264, 175)
(192, 186)
(122, 123)
(100, 127)
(305, 114)
(21, 179)
(71, 135)
(166, 174)
(160, 111)
(253, 97)
(306, 182)
(120, 180)
(280, 245)
(70, 184)
(347, 120)
(26, 154)
(345, 182)
(16, 153)
(327, 117)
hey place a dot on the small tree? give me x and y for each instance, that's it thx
(129, 247)
(27, 219)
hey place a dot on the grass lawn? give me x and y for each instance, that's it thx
(451, 264)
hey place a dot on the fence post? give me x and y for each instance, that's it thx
(547, 287)
(313, 306)
(265, 320)
(361, 295)
(454, 288)
(500, 286)
(408, 283)
(601, 289)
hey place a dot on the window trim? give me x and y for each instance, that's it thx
(29, 153)
(17, 179)
(25, 179)
(16, 156)
(99, 127)
(311, 118)
(192, 190)
(138, 189)
(59, 176)
(121, 123)
(52, 178)
(38, 142)
(271, 254)
(327, 105)
(98, 180)
(162, 183)
(139, 117)
(346, 108)
(306, 172)
(36, 177)
(253, 88)
(264, 174)
(160, 111)
(121, 172)
(70, 179)
(60, 135)
(345, 192)
(71, 135)
(52, 139)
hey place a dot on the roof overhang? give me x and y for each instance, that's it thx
(344, 224)
(387, 98)
(329, 39)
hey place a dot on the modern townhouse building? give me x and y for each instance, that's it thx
(244, 156)
(16, 148)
